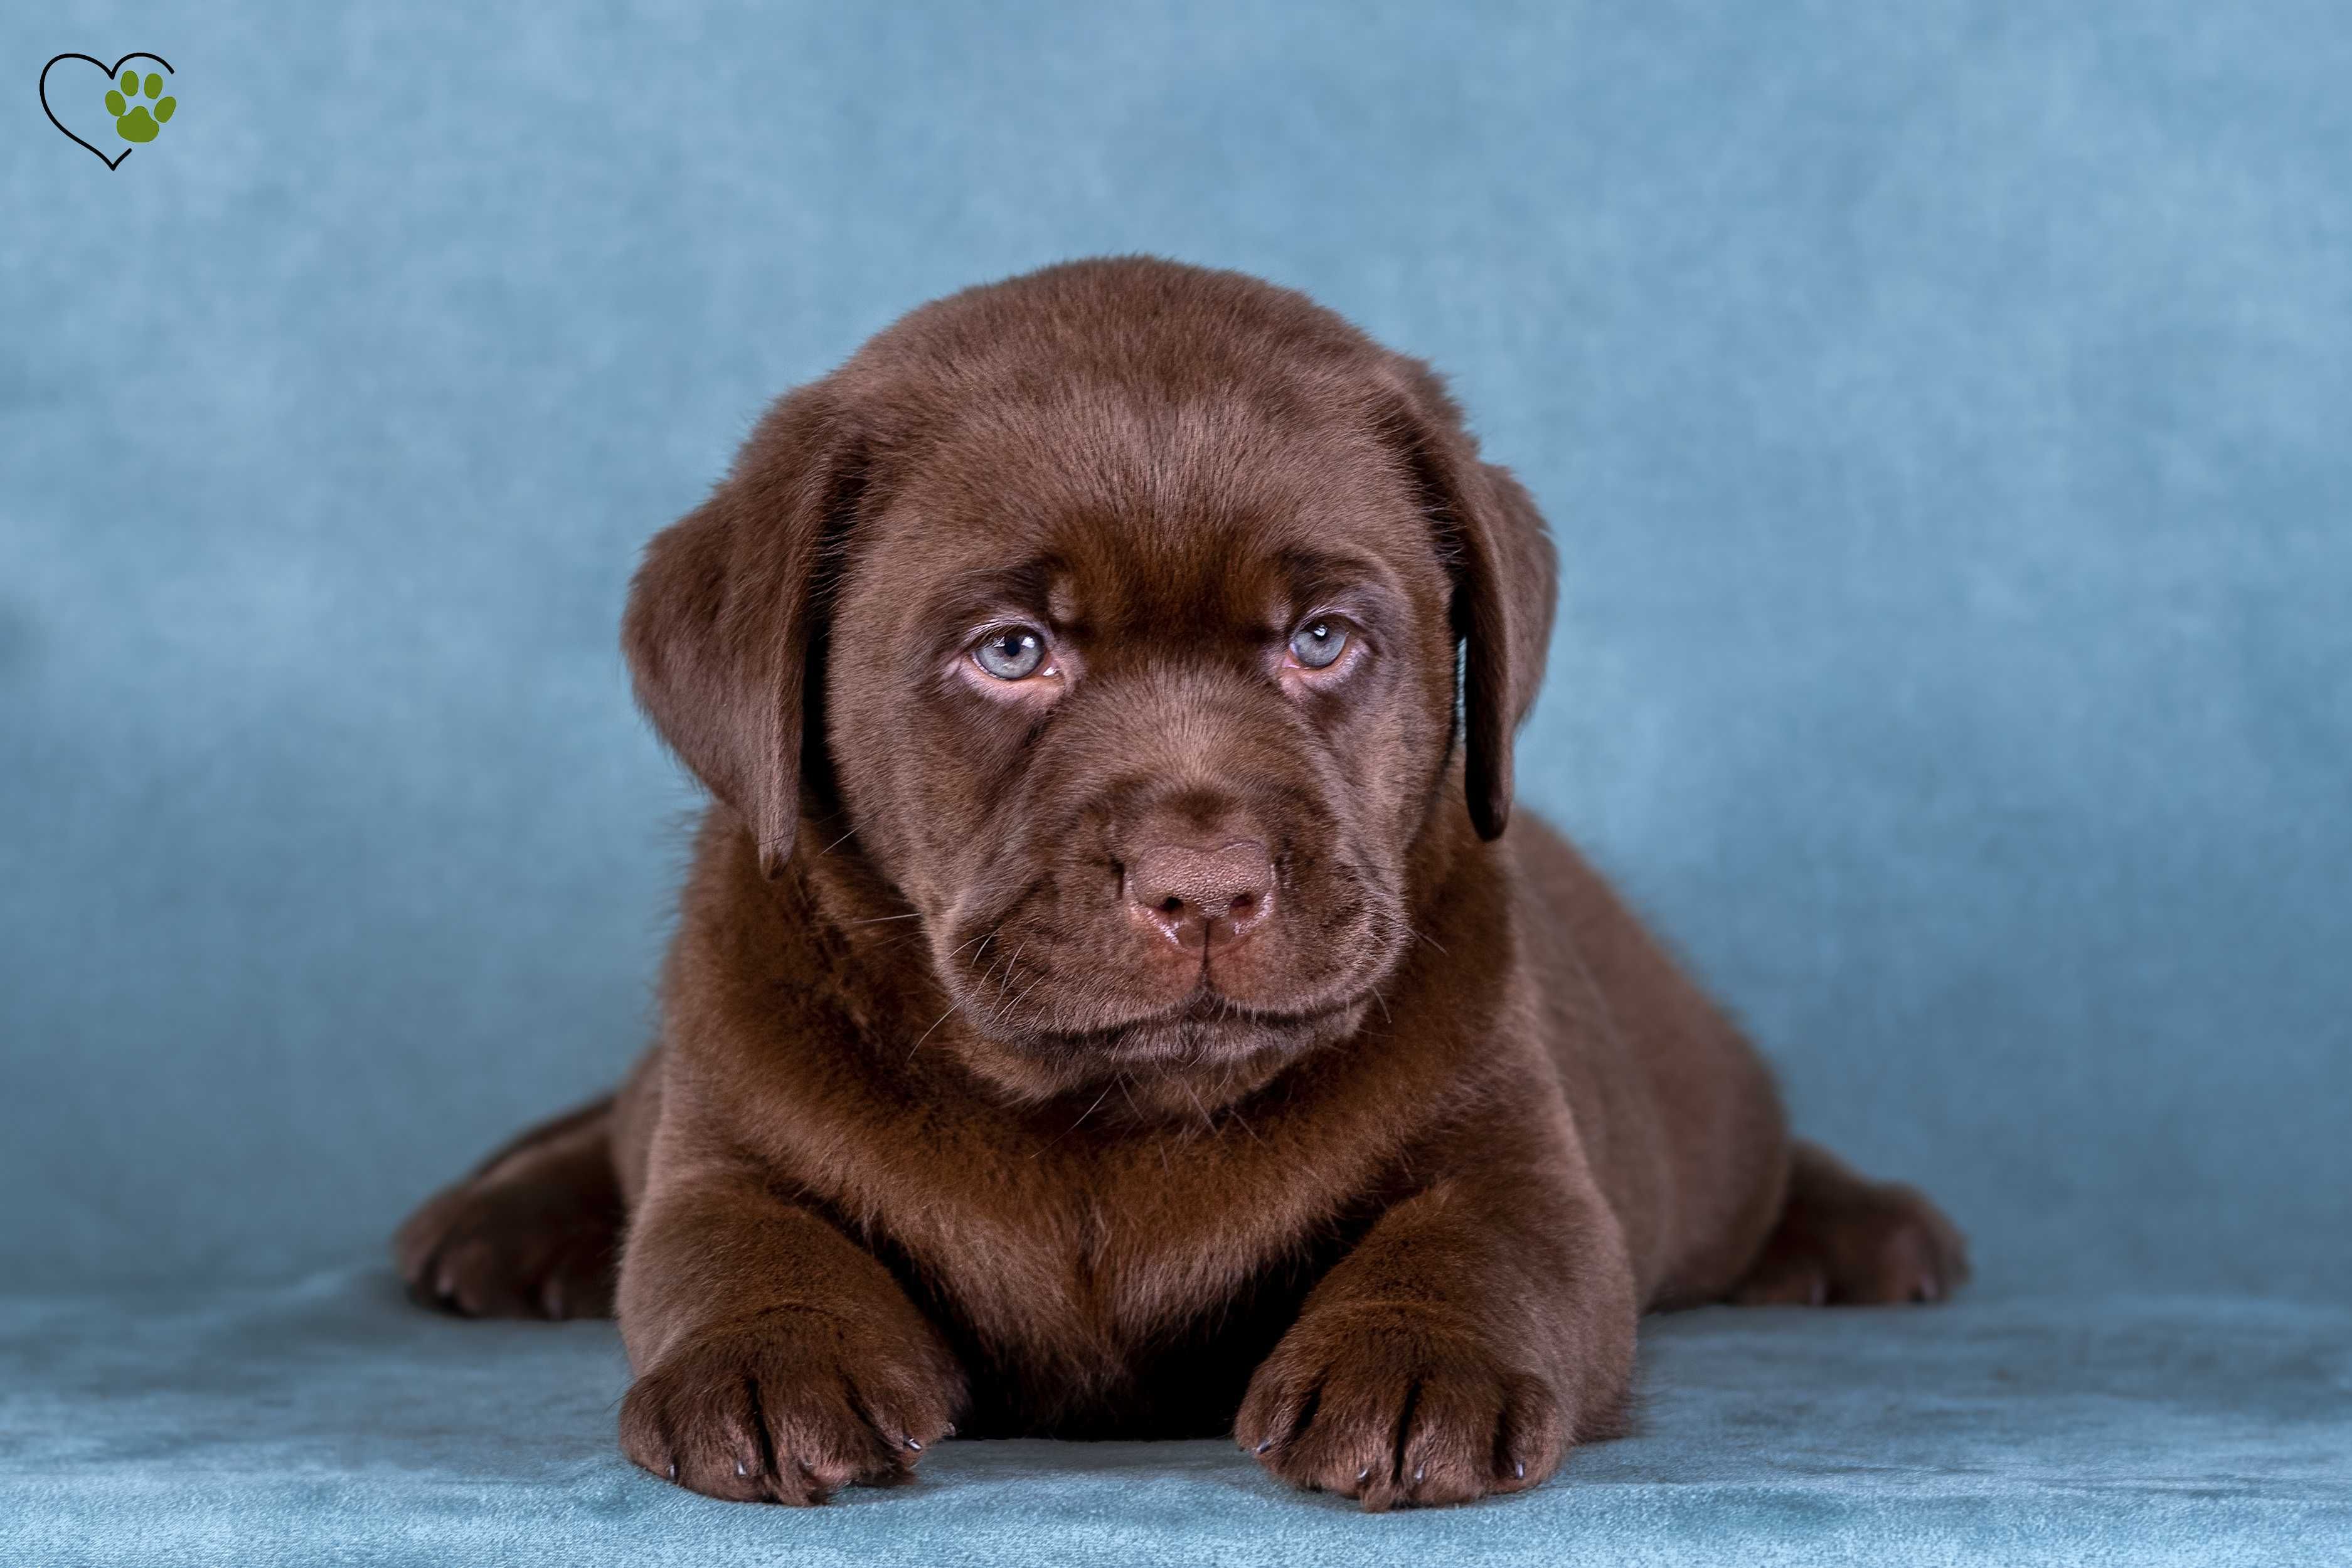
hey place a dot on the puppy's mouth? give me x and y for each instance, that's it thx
(1208, 1007)
(1205, 1025)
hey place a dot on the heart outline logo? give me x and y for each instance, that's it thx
(111, 71)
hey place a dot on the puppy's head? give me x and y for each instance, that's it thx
(1118, 610)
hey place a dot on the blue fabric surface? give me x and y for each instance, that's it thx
(327, 1421)
(1941, 406)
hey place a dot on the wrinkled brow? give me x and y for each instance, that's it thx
(1315, 575)
(975, 596)
(1042, 586)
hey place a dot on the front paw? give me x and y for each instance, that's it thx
(789, 1406)
(1397, 1405)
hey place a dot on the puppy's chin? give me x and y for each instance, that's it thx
(1190, 1060)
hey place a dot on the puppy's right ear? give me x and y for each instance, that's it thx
(1506, 576)
(724, 609)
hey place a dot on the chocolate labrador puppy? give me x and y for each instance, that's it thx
(1105, 1001)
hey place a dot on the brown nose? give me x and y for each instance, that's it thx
(1202, 898)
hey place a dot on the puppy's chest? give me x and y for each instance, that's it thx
(1083, 1254)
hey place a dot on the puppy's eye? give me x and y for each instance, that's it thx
(1011, 652)
(1319, 644)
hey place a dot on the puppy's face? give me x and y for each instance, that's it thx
(1117, 610)
(1141, 704)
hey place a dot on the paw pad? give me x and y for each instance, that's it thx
(133, 121)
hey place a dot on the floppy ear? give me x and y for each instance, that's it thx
(1506, 575)
(724, 609)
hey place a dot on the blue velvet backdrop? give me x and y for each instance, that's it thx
(1945, 409)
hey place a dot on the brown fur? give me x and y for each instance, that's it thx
(950, 1128)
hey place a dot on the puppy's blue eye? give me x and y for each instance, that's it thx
(1319, 643)
(1011, 652)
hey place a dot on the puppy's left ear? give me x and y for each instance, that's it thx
(1505, 577)
(724, 612)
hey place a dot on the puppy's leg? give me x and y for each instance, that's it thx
(534, 1232)
(1480, 1328)
(776, 1359)
(1843, 1240)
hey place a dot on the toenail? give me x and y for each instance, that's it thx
(1520, 1471)
(1261, 1447)
(914, 1445)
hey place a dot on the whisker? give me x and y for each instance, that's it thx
(1004, 986)
(1006, 1011)
(927, 1033)
(1074, 1126)
(1208, 1123)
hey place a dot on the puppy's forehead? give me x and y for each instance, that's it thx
(1156, 502)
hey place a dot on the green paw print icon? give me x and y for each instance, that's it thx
(132, 119)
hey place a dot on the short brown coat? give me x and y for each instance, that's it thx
(934, 1139)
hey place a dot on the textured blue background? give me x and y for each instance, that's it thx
(1946, 411)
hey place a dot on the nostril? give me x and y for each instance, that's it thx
(1197, 896)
